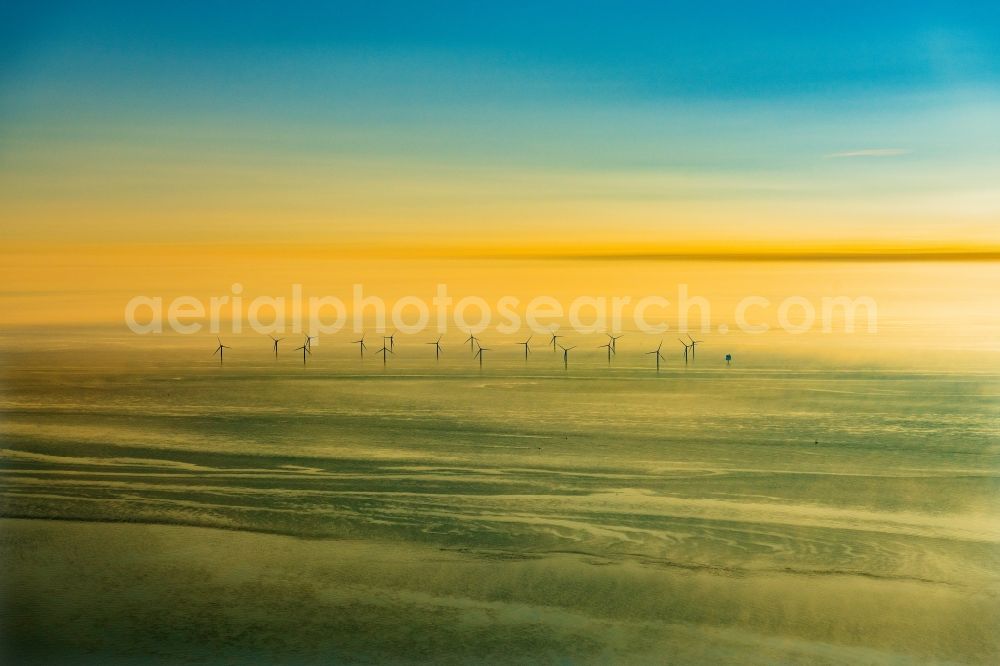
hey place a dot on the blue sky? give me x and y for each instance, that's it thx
(845, 107)
(642, 50)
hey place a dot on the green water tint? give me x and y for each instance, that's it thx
(521, 513)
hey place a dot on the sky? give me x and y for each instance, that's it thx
(486, 127)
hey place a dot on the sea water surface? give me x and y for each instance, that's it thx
(830, 509)
(161, 506)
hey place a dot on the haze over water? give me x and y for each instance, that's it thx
(792, 507)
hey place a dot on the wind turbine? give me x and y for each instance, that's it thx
(385, 350)
(659, 355)
(480, 355)
(693, 343)
(305, 350)
(473, 341)
(392, 341)
(611, 350)
(362, 344)
(527, 349)
(613, 339)
(218, 350)
(685, 350)
(553, 340)
(566, 355)
(309, 342)
(276, 341)
(437, 348)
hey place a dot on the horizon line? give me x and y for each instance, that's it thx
(544, 251)
(819, 255)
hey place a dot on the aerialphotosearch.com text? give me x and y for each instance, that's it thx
(313, 315)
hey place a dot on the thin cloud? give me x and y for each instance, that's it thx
(869, 152)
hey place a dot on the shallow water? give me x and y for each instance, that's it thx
(758, 513)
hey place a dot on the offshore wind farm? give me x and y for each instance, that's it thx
(476, 348)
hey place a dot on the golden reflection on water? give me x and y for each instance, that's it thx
(828, 498)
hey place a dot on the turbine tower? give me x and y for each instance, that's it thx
(305, 350)
(566, 356)
(693, 343)
(361, 344)
(611, 350)
(480, 355)
(437, 348)
(218, 350)
(384, 351)
(658, 355)
(473, 341)
(685, 350)
(276, 341)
